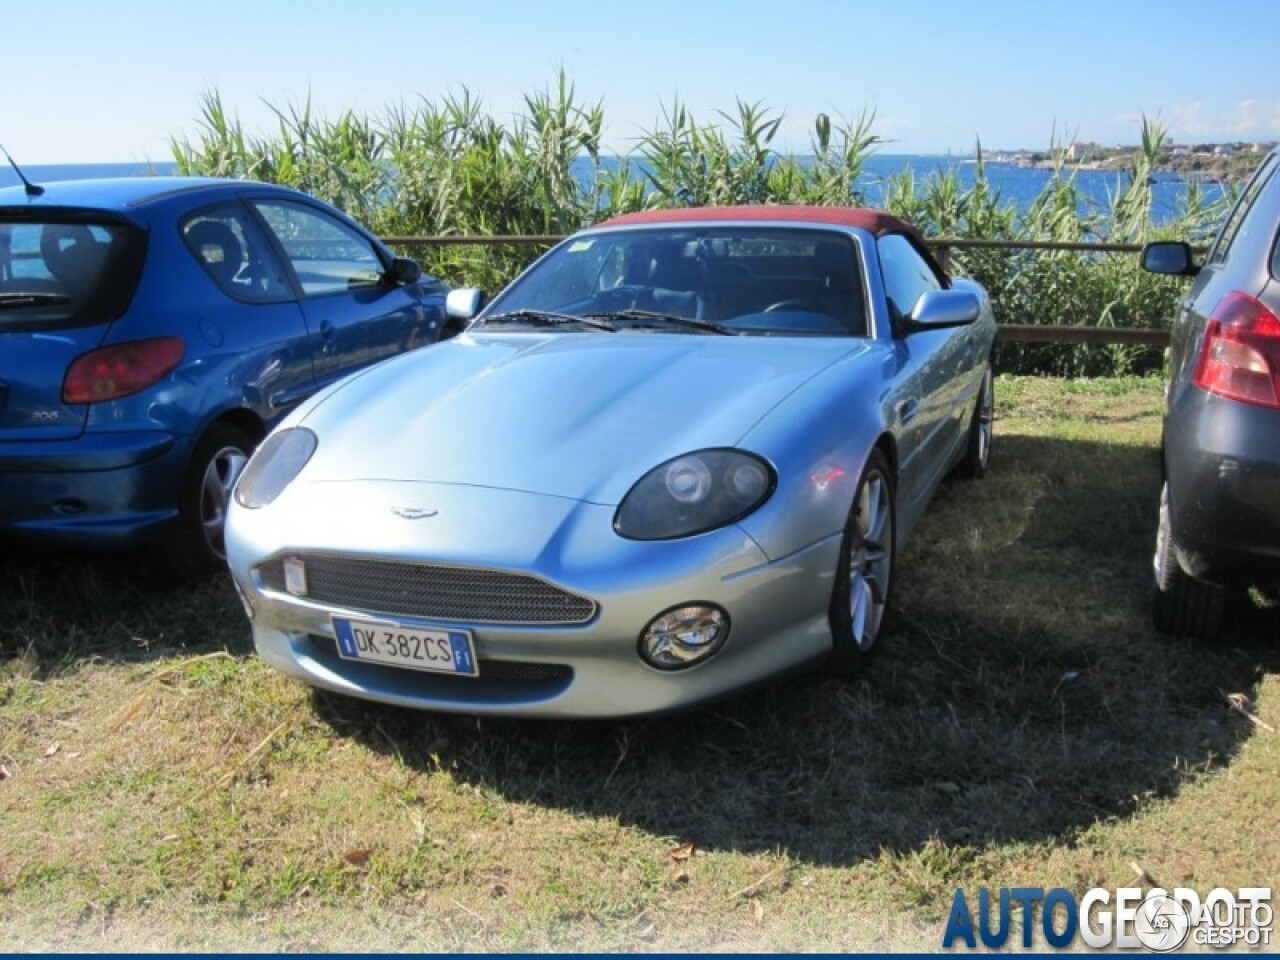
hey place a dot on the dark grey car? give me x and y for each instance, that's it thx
(1220, 508)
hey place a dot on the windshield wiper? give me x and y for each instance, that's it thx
(675, 319)
(549, 317)
(15, 300)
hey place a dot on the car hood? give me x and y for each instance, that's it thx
(575, 415)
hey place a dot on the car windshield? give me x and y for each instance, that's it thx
(55, 275)
(743, 280)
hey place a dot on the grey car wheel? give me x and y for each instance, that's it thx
(978, 449)
(864, 575)
(1183, 606)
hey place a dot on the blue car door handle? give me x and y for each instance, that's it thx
(907, 411)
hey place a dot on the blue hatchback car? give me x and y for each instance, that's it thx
(152, 330)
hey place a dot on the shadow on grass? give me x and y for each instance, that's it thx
(60, 608)
(1020, 695)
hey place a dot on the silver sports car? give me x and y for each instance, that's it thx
(677, 456)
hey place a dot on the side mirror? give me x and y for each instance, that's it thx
(405, 271)
(463, 303)
(943, 308)
(1169, 257)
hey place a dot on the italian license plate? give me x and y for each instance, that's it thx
(411, 646)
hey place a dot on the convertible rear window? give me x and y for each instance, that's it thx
(765, 280)
(56, 274)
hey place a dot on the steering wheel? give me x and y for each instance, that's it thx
(623, 296)
(794, 304)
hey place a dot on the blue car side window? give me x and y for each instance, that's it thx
(226, 244)
(327, 256)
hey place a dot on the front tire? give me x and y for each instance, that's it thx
(864, 574)
(196, 546)
(1183, 606)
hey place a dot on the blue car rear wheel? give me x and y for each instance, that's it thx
(196, 546)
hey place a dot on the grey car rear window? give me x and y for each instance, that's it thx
(60, 273)
(1239, 215)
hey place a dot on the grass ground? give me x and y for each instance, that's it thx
(1024, 726)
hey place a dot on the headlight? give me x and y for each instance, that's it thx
(280, 458)
(693, 494)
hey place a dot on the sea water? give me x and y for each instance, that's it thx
(1018, 186)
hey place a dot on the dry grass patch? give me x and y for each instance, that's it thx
(1023, 725)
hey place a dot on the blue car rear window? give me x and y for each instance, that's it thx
(56, 274)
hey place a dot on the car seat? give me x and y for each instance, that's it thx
(218, 249)
(677, 285)
(838, 293)
(73, 256)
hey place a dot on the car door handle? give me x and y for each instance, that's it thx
(328, 333)
(907, 411)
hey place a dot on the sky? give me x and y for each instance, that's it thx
(91, 81)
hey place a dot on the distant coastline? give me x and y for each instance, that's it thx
(1226, 163)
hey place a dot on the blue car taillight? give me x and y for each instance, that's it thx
(121, 369)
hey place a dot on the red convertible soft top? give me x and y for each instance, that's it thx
(867, 218)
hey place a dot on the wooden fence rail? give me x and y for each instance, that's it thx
(942, 247)
(1094, 336)
(488, 240)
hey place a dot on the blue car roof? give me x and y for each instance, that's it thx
(117, 193)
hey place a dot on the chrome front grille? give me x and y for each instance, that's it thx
(431, 591)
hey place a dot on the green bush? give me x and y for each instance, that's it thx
(449, 167)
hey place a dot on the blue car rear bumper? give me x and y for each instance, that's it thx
(100, 489)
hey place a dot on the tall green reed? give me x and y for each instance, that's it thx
(450, 167)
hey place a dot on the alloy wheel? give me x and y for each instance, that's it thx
(986, 416)
(870, 559)
(220, 477)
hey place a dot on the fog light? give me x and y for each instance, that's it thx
(684, 636)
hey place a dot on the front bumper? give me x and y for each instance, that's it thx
(777, 608)
(100, 489)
